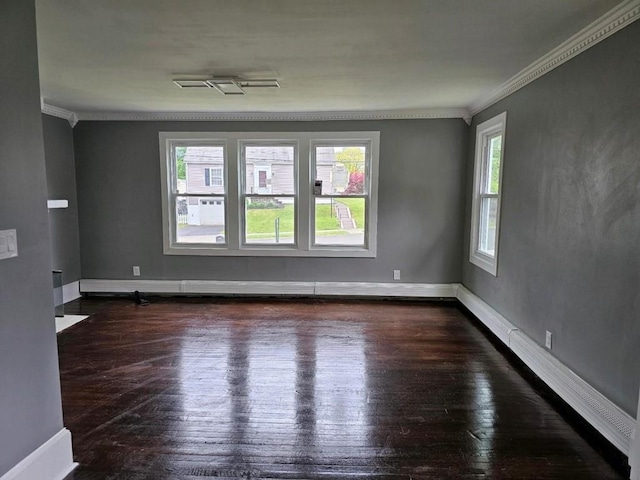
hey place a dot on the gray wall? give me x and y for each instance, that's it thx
(421, 205)
(570, 227)
(30, 406)
(61, 185)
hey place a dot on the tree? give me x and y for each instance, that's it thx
(352, 158)
(181, 169)
(495, 166)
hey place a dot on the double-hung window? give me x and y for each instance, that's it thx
(214, 177)
(485, 219)
(261, 194)
(197, 196)
(342, 191)
(269, 192)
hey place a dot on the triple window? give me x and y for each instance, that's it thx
(295, 194)
(485, 226)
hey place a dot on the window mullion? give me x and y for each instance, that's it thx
(234, 201)
(304, 202)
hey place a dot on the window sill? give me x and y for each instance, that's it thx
(485, 262)
(266, 251)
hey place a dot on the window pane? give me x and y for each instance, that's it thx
(200, 220)
(200, 169)
(493, 164)
(269, 169)
(340, 221)
(270, 220)
(341, 169)
(487, 230)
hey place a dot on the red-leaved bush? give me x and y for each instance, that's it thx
(356, 184)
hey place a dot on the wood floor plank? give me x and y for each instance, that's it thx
(299, 389)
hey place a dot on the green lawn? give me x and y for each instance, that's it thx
(261, 222)
(324, 219)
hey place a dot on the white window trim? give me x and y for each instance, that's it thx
(304, 177)
(484, 131)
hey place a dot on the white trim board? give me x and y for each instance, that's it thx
(58, 112)
(634, 454)
(71, 292)
(416, 290)
(409, 114)
(607, 418)
(53, 460)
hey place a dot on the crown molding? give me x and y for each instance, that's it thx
(278, 116)
(59, 112)
(616, 19)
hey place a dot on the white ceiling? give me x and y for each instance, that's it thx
(328, 55)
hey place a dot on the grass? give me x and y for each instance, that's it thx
(324, 219)
(261, 222)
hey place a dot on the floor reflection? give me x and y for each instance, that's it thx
(300, 395)
(481, 421)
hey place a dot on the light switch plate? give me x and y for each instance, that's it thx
(8, 244)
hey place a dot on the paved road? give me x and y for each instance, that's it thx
(191, 230)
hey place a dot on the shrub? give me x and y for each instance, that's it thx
(356, 184)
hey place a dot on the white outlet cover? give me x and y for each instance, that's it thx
(547, 340)
(136, 271)
(396, 274)
(8, 244)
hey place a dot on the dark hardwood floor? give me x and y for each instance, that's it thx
(305, 389)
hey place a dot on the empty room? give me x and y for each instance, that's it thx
(296, 239)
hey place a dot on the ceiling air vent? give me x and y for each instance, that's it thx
(228, 86)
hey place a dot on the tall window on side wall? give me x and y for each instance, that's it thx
(487, 180)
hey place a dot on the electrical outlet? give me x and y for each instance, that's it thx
(8, 244)
(547, 340)
(396, 274)
(136, 271)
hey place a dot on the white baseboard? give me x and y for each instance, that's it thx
(495, 322)
(129, 286)
(634, 454)
(422, 290)
(70, 292)
(607, 418)
(53, 460)
(246, 288)
(613, 423)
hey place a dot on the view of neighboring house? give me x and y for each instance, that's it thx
(269, 170)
